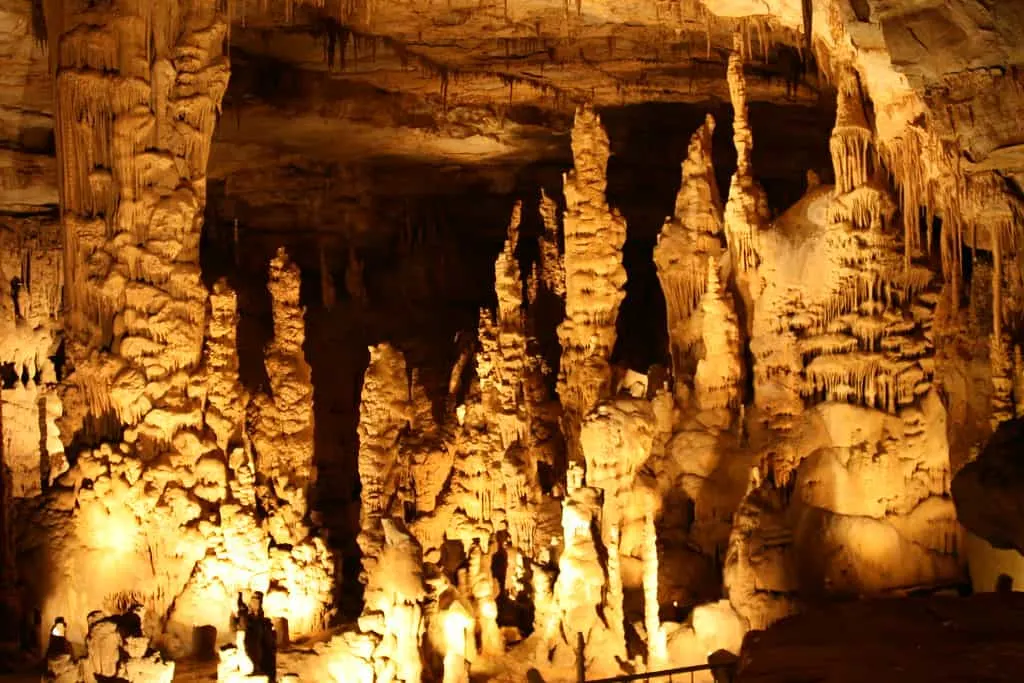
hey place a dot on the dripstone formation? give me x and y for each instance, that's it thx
(195, 466)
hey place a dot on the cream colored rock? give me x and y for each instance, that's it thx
(594, 278)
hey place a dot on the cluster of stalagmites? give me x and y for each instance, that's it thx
(520, 526)
(191, 493)
(835, 481)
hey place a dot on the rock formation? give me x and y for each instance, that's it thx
(746, 210)
(686, 241)
(383, 413)
(594, 277)
(533, 481)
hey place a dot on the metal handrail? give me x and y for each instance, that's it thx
(581, 671)
(660, 674)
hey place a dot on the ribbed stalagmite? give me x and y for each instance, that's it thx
(594, 277)
(282, 434)
(687, 239)
(384, 410)
(718, 382)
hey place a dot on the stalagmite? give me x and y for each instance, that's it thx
(657, 654)
(504, 341)
(594, 277)
(686, 240)
(719, 378)
(616, 439)
(282, 434)
(393, 605)
(383, 412)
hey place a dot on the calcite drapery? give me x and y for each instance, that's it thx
(854, 327)
(594, 277)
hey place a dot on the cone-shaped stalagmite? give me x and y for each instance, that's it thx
(282, 438)
(594, 277)
(384, 410)
(719, 378)
(686, 240)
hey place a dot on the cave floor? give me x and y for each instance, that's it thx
(934, 639)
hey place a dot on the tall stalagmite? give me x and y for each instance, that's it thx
(502, 384)
(686, 241)
(282, 433)
(384, 410)
(594, 277)
(718, 382)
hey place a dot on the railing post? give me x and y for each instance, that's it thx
(581, 665)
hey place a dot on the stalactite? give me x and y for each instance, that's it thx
(850, 143)
(746, 211)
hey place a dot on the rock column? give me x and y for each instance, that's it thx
(594, 278)
(692, 235)
(282, 437)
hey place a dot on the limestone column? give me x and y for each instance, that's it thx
(139, 85)
(746, 211)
